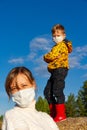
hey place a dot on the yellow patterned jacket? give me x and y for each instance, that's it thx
(58, 56)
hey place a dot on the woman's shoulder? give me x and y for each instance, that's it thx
(9, 112)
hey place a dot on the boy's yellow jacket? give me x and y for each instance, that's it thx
(58, 56)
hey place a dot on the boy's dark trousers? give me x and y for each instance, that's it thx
(53, 92)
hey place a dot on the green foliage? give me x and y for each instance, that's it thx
(80, 107)
(82, 100)
(42, 105)
(71, 106)
(1, 118)
(77, 106)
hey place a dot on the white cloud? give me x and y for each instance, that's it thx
(74, 61)
(82, 49)
(16, 60)
(83, 66)
(42, 43)
(84, 76)
(39, 46)
(42, 70)
(78, 57)
(31, 55)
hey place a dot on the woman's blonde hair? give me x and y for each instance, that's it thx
(13, 74)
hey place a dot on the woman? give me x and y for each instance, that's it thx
(20, 86)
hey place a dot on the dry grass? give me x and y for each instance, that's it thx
(0, 125)
(79, 123)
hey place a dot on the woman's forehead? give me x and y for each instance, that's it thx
(20, 78)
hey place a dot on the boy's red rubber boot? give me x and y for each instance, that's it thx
(60, 112)
(52, 110)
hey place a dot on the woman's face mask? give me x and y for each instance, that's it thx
(24, 97)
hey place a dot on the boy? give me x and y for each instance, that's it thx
(58, 66)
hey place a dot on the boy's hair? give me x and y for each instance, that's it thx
(58, 27)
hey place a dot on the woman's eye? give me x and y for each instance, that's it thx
(24, 85)
(12, 89)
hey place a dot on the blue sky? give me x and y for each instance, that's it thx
(25, 36)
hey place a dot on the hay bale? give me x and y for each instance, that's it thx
(78, 123)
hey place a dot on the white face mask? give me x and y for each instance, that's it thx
(58, 39)
(24, 97)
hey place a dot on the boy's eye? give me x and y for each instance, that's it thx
(56, 35)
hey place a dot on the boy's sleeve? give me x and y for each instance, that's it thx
(52, 55)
